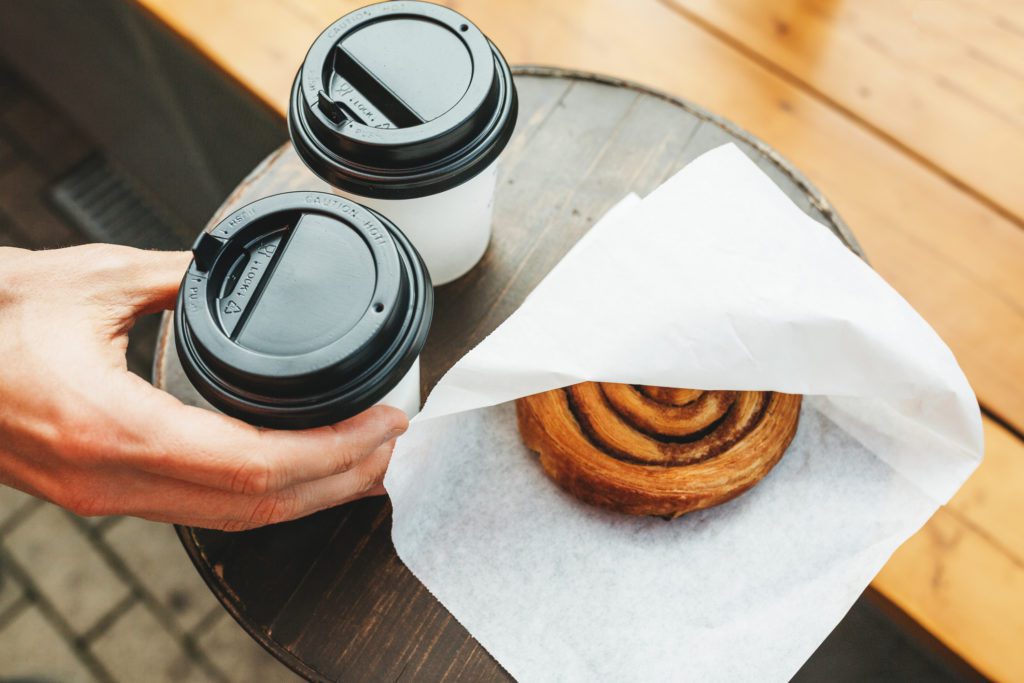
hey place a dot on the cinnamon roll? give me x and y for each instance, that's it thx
(656, 451)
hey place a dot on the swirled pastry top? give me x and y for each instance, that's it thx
(657, 451)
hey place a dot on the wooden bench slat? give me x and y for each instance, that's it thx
(963, 590)
(992, 500)
(962, 576)
(943, 77)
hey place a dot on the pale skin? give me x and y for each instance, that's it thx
(80, 430)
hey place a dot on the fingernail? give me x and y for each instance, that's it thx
(394, 433)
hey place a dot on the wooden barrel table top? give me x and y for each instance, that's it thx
(327, 595)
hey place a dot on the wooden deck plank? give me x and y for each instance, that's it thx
(943, 78)
(954, 255)
(961, 577)
(991, 501)
(964, 590)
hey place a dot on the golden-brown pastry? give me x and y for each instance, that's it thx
(656, 451)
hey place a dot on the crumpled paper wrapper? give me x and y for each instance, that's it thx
(714, 281)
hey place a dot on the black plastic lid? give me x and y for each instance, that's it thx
(401, 99)
(301, 309)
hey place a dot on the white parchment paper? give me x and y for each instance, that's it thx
(714, 281)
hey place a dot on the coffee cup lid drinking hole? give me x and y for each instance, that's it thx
(400, 100)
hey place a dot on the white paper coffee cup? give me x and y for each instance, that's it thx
(450, 229)
(404, 107)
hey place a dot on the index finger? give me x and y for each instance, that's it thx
(200, 446)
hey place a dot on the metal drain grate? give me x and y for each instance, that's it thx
(105, 206)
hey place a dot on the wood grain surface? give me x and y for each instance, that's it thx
(907, 113)
(941, 79)
(327, 594)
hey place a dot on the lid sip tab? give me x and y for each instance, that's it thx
(301, 309)
(400, 100)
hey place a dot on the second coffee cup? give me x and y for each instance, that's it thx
(404, 107)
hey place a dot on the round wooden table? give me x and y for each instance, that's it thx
(326, 594)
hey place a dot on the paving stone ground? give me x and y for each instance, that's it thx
(98, 600)
(32, 648)
(66, 568)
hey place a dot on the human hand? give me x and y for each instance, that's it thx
(77, 428)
